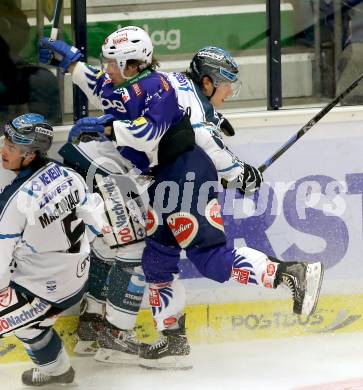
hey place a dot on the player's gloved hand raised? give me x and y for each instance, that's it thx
(48, 48)
(247, 182)
(90, 125)
(225, 125)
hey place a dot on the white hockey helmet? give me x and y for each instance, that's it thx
(128, 43)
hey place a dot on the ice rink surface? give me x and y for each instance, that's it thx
(324, 362)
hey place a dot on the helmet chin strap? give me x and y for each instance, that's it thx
(214, 88)
(122, 72)
(214, 91)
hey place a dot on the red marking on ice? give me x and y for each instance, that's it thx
(353, 384)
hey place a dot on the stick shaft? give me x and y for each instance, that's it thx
(56, 19)
(309, 125)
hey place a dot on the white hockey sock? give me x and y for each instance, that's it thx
(252, 267)
(120, 317)
(94, 305)
(167, 301)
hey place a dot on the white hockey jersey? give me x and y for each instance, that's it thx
(47, 219)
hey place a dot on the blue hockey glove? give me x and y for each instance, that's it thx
(90, 125)
(68, 54)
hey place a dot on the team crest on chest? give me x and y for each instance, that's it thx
(184, 227)
(213, 214)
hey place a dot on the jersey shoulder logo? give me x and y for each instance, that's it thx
(152, 221)
(184, 227)
(213, 214)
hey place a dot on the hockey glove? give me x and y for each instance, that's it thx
(247, 182)
(90, 125)
(225, 126)
(68, 54)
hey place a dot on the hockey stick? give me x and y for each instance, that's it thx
(57, 13)
(309, 125)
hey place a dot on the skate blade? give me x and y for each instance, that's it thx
(314, 279)
(51, 386)
(86, 348)
(168, 363)
(106, 355)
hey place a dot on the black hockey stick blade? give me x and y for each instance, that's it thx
(309, 125)
(56, 19)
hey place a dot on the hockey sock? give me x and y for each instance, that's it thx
(97, 282)
(47, 352)
(167, 301)
(126, 289)
(253, 267)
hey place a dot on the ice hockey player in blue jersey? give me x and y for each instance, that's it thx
(47, 220)
(152, 122)
(122, 295)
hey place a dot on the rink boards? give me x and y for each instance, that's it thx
(217, 323)
(310, 208)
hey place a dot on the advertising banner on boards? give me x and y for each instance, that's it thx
(310, 205)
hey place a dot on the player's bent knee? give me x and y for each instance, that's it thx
(160, 262)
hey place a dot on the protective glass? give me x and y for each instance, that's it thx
(108, 64)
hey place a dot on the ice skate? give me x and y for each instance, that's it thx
(34, 377)
(171, 351)
(117, 346)
(304, 281)
(87, 331)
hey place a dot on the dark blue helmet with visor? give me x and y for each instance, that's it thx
(215, 63)
(31, 132)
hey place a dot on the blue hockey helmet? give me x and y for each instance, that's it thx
(31, 132)
(215, 63)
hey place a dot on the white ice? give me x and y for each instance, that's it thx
(329, 362)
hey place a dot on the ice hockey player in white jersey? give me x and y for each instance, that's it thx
(116, 284)
(47, 219)
(211, 80)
